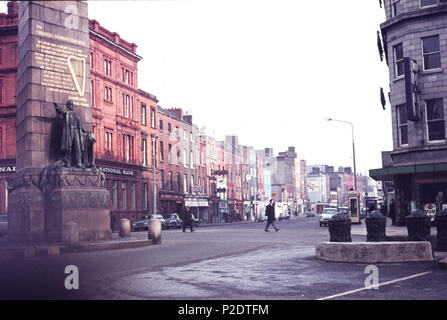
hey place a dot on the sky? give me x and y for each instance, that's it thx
(268, 71)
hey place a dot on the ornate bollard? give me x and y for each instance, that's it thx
(124, 228)
(441, 230)
(154, 231)
(418, 226)
(375, 226)
(70, 234)
(340, 228)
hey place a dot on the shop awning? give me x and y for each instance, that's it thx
(387, 174)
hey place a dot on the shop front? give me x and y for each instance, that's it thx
(7, 170)
(171, 202)
(223, 210)
(421, 187)
(199, 207)
(123, 183)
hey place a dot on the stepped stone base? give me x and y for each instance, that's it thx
(374, 252)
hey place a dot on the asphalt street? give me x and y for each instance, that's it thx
(236, 261)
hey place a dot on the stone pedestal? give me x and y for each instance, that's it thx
(70, 234)
(76, 195)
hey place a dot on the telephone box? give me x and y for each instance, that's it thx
(354, 206)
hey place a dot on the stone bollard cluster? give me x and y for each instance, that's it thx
(441, 230)
(124, 230)
(418, 226)
(70, 234)
(340, 228)
(154, 231)
(375, 226)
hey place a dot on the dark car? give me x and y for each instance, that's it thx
(143, 224)
(173, 221)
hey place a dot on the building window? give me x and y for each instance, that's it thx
(398, 60)
(402, 124)
(107, 67)
(169, 128)
(127, 148)
(177, 151)
(108, 93)
(161, 125)
(170, 153)
(435, 120)
(133, 197)
(191, 137)
(185, 158)
(431, 52)
(162, 179)
(115, 194)
(143, 114)
(185, 135)
(124, 195)
(428, 3)
(192, 159)
(108, 142)
(170, 181)
(93, 93)
(145, 196)
(1, 91)
(178, 183)
(396, 8)
(192, 184)
(162, 158)
(152, 117)
(185, 183)
(144, 150)
(91, 60)
(126, 105)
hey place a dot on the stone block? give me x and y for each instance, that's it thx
(154, 231)
(70, 234)
(374, 252)
(124, 230)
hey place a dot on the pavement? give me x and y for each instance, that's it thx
(227, 262)
(139, 239)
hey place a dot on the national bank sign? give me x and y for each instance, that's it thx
(121, 172)
(8, 169)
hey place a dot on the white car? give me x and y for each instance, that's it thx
(3, 224)
(326, 215)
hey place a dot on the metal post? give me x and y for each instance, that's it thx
(153, 175)
(353, 149)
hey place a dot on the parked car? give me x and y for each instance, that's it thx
(143, 224)
(3, 225)
(344, 210)
(326, 215)
(196, 221)
(262, 218)
(310, 214)
(284, 216)
(173, 221)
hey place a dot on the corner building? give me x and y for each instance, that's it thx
(414, 38)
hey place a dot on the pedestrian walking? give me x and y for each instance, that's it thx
(270, 213)
(187, 218)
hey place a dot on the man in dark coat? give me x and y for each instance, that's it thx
(71, 141)
(270, 213)
(392, 212)
(187, 219)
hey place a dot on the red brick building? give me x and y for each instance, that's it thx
(8, 93)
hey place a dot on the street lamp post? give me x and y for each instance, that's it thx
(154, 187)
(353, 148)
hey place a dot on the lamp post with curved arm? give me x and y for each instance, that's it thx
(154, 187)
(353, 148)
